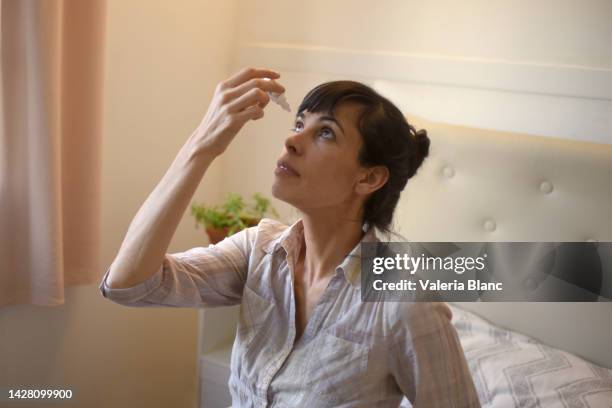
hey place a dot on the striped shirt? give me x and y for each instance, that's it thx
(351, 353)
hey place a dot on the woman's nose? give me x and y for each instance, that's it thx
(293, 143)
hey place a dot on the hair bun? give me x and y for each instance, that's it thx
(422, 141)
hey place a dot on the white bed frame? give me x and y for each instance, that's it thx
(490, 110)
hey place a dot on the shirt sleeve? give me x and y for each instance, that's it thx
(427, 360)
(200, 277)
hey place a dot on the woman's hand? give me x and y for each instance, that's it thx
(236, 100)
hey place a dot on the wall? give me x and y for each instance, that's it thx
(566, 32)
(163, 62)
(542, 68)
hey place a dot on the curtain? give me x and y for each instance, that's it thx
(50, 147)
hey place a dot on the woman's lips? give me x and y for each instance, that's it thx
(282, 168)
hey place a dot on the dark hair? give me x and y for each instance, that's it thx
(388, 140)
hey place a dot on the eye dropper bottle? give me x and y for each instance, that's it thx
(279, 99)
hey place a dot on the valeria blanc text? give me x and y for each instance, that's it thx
(437, 285)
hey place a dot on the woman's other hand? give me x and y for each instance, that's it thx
(236, 100)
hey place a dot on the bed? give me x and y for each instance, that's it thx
(487, 185)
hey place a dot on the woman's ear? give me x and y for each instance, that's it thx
(371, 179)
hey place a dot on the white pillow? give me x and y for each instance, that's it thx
(514, 370)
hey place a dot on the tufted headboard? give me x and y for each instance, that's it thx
(487, 185)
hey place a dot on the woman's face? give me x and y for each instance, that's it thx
(322, 151)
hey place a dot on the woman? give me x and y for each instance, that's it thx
(305, 338)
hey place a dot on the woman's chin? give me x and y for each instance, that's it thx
(280, 192)
(277, 191)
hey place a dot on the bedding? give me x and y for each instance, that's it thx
(514, 370)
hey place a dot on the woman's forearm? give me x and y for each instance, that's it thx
(150, 232)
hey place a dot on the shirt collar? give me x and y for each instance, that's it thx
(292, 237)
(288, 239)
(351, 266)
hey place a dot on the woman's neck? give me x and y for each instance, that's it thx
(328, 240)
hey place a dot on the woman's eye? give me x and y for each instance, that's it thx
(326, 131)
(330, 134)
(295, 128)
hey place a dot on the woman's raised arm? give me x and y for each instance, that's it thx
(236, 100)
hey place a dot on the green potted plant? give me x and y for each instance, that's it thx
(231, 216)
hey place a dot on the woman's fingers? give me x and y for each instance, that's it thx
(253, 112)
(247, 88)
(253, 91)
(247, 74)
(254, 96)
(268, 85)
